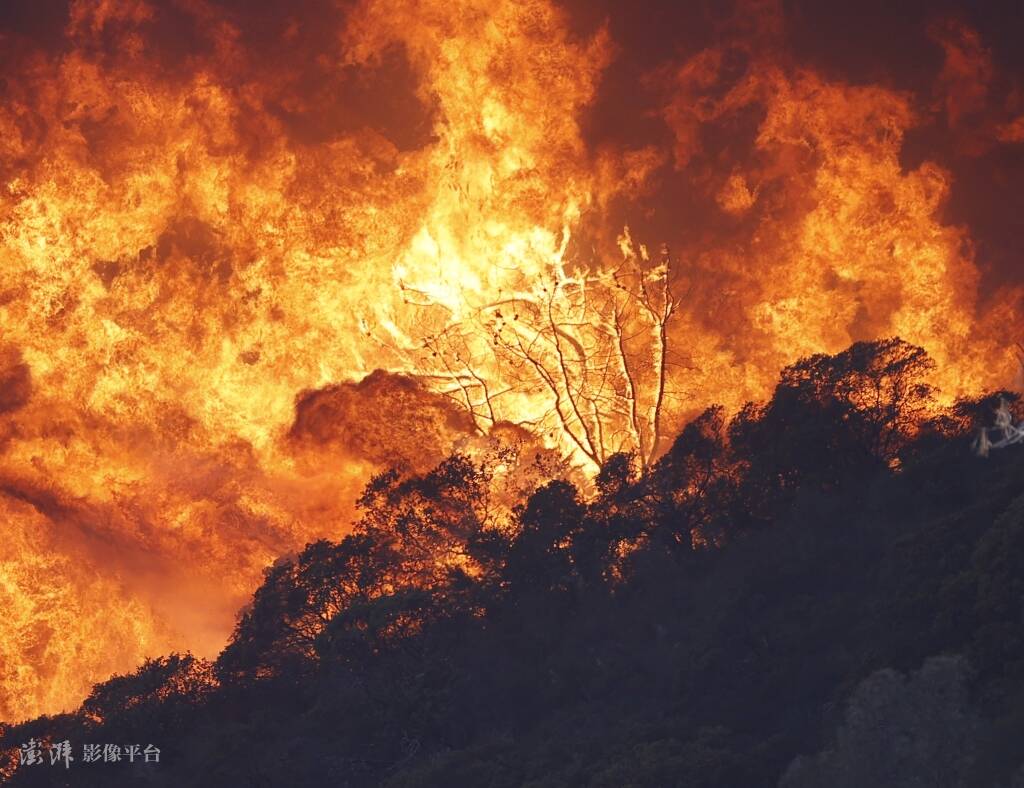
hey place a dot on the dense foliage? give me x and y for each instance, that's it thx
(827, 590)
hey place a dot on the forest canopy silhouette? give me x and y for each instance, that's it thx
(824, 589)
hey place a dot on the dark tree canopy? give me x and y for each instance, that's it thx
(704, 621)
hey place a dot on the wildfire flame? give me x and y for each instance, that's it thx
(205, 254)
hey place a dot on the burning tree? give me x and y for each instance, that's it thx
(583, 358)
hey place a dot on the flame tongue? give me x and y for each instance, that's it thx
(190, 243)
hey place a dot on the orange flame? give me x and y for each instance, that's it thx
(188, 257)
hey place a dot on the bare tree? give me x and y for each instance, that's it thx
(582, 358)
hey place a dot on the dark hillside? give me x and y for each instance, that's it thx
(826, 591)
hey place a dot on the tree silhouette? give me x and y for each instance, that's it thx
(693, 622)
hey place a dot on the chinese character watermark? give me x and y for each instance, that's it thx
(32, 753)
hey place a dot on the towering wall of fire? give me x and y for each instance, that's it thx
(205, 248)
